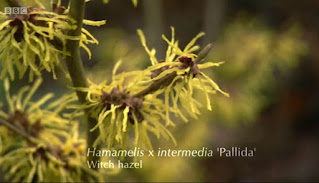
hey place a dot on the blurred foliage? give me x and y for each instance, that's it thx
(256, 57)
(115, 45)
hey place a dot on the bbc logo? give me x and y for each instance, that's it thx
(16, 10)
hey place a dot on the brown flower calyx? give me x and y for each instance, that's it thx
(58, 9)
(58, 153)
(187, 62)
(20, 120)
(40, 152)
(123, 98)
(17, 19)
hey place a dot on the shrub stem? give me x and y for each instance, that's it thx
(75, 67)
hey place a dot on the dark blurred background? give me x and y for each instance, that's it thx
(271, 70)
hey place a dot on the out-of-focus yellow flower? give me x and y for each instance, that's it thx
(31, 118)
(62, 160)
(25, 38)
(36, 39)
(52, 152)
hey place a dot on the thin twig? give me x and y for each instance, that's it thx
(158, 84)
(18, 131)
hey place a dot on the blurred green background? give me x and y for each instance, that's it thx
(271, 70)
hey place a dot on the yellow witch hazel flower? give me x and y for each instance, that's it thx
(30, 118)
(36, 39)
(61, 160)
(38, 144)
(181, 74)
(118, 111)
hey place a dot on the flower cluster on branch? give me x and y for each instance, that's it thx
(36, 40)
(40, 144)
(133, 100)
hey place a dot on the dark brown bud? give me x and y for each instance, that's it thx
(188, 62)
(20, 120)
(58, 9)
(123, 98)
